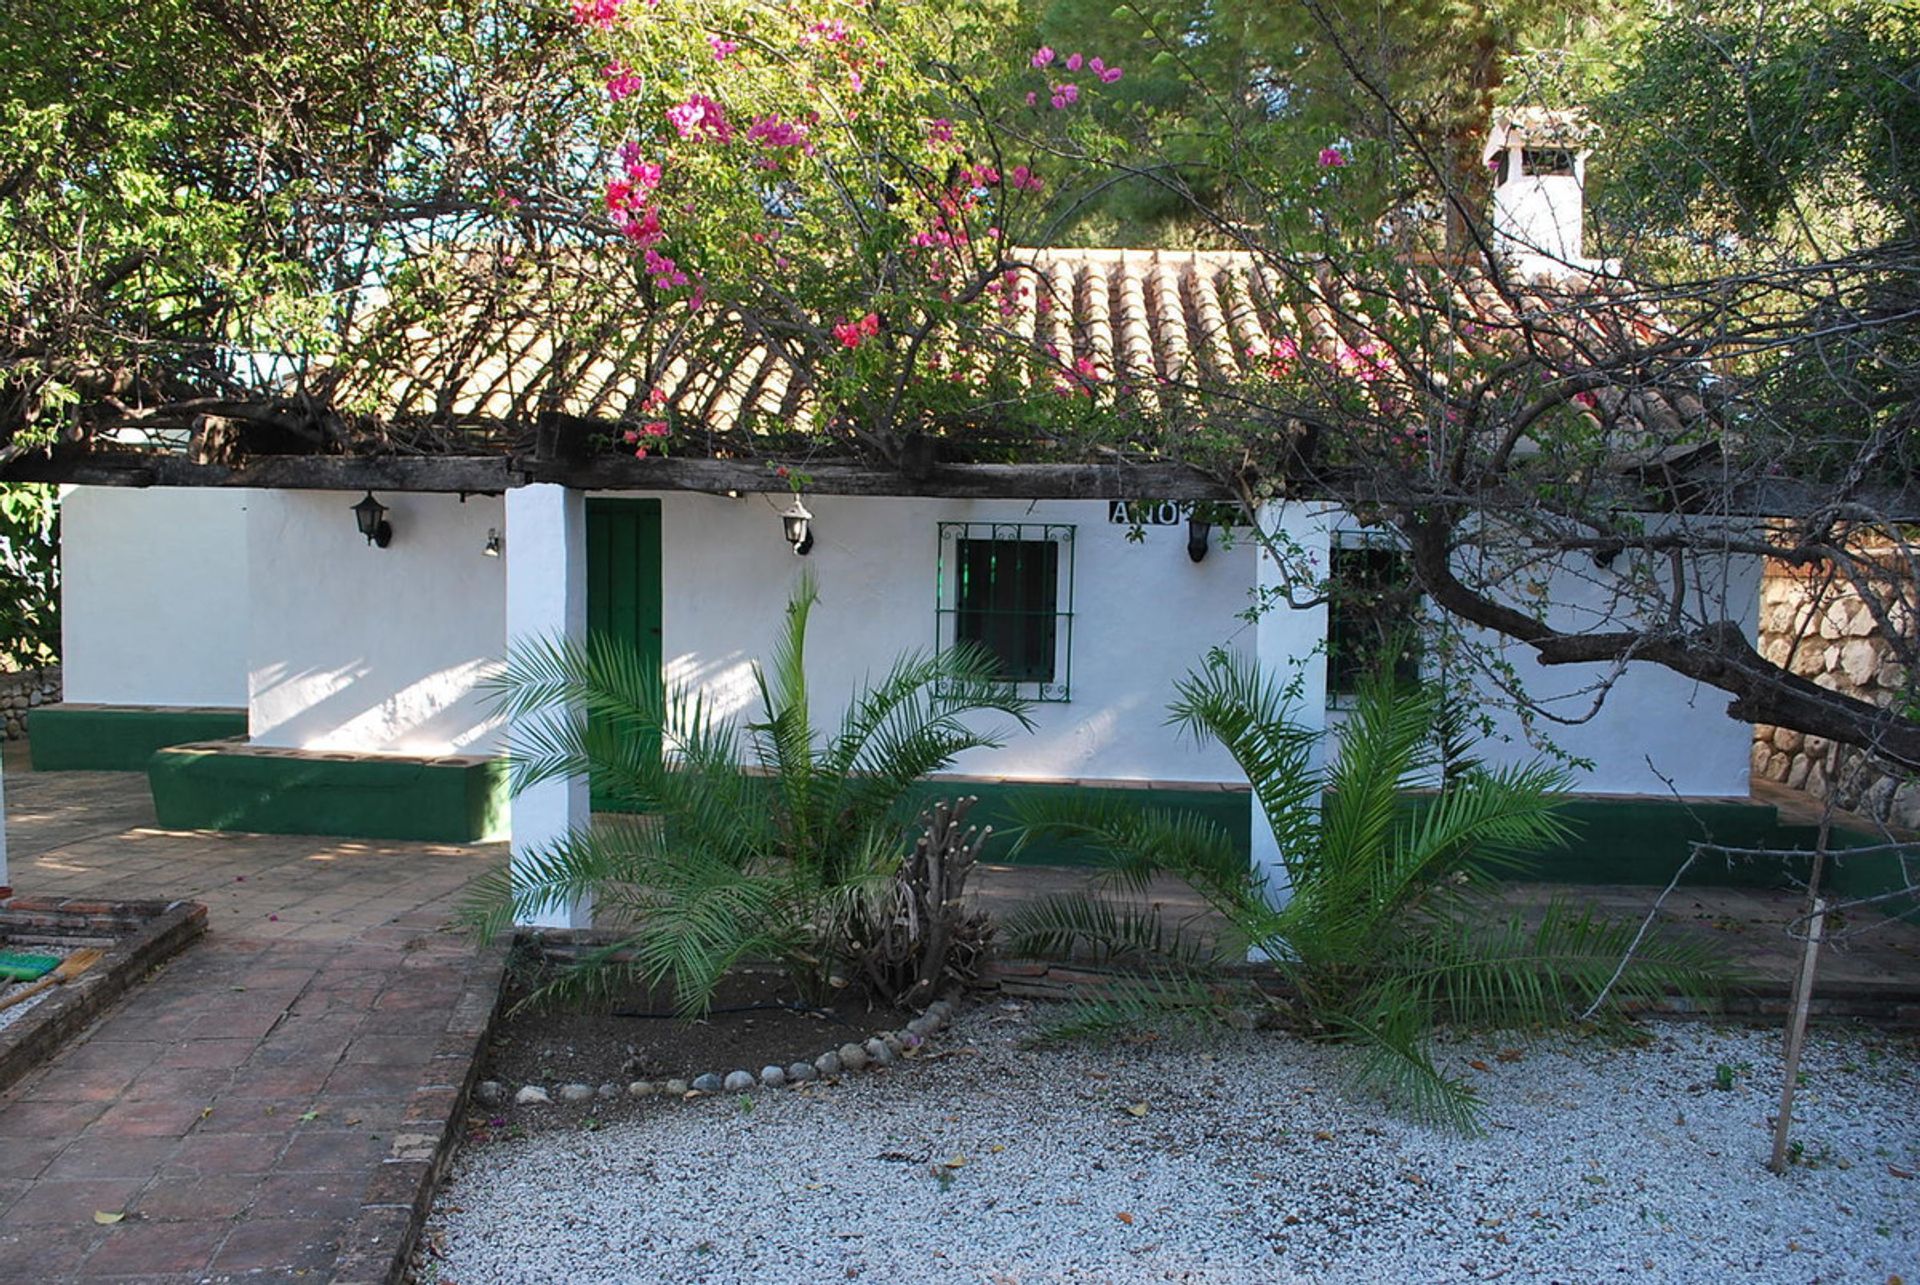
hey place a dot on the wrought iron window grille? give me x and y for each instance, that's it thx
(1008, 587)
(1373, 600)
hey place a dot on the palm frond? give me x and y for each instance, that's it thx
(1381, 753)
(1230, 702)
(1066, 926)
(1130, 1007)
(1137, 843)
(1387, 1052)
(1516, 974)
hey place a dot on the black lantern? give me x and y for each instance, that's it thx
(1198, 528)
(371, 517)
(797, 523)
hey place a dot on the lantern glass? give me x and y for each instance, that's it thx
(370, 516)
(797, 525)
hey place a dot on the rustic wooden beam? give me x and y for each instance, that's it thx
(953, 481)
(448, 473)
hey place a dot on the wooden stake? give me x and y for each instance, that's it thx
(1797, 1032)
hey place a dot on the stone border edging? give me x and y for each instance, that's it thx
(144, 934)
(393, 1209)
(881, 1049)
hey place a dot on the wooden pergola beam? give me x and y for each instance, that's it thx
(447, 473)
(471, 474)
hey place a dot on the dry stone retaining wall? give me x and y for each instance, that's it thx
(1839, 645)
(25, 690)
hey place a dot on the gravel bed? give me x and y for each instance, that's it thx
(1240, 1161)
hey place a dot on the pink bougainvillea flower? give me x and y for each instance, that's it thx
(852, 333)
(1064, 94)
(940, 131)
(1332, 158)
(1059, 103)
(664, 271)
(856, 82)
(700, 118)
(596, 13)
(1032, 97)
(722, 49)
(1107, 74)
(1073, 62)
(771, 131)
(1042, 56)
(1024, 179)
(1585, 399)
(621, 82)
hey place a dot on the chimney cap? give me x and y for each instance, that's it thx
(1538, 127)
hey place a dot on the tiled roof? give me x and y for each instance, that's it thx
(1152, 325)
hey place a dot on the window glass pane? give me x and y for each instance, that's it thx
(1372, 604)
(1006, 601)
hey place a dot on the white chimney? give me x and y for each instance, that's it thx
(1539, 165)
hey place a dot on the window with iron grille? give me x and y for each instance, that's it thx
(1008, 587)
(1372, 607)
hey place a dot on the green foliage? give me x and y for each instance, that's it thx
(1384, 928)
(1732, 119)
(785, 859)
(29, 576)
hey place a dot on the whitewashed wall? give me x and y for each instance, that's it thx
(154, 595)
(354, 647)
(1144, 614)
(1657, 730)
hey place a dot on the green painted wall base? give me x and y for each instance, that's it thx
(119, 738)
(224, 786)
(1226, 807)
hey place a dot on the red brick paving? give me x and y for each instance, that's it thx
(257, 1109)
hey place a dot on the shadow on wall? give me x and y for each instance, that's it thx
(338, 708)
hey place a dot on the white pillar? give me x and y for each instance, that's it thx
(1290, 641)
(546, 553)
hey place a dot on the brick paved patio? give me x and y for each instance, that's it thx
(268, 1105)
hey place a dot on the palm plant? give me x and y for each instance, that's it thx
(1383, 929)
(762, 842)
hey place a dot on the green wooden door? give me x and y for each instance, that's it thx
(623, 579)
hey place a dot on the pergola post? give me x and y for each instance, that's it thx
(546, 553)
(1290, 641)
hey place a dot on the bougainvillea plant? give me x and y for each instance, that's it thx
(853, 189)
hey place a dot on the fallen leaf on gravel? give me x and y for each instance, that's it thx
(106, 1219)
(955, 1162)
(1137, 1110)
(1125, 1217)
(1508, 1055)
(1291, 1220)
(1321, 1135)
(1898, 1172)
(1478, 1065)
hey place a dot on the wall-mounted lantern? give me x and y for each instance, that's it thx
(371, 517)
(494, 543)
(797, 523)
(1198, 529)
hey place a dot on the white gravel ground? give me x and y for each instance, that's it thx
(1247, 1164)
